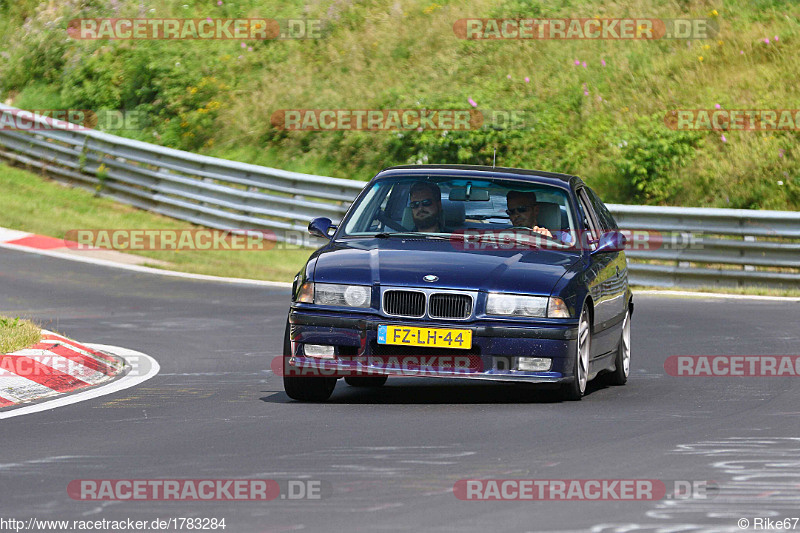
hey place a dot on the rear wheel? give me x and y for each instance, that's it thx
(623, 360)
(304, 389)
(356, 381)
(580, 371)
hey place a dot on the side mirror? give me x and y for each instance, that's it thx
(320, 227)
(611, 241)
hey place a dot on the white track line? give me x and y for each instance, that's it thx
(651, 292)
(139, 361)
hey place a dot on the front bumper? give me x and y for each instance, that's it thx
(496, 346)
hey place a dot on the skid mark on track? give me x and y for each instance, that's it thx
(145, 397)
(757, 476)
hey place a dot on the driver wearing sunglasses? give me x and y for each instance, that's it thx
(425, 201)
(523, 210)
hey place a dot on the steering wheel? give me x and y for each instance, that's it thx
(551, 237)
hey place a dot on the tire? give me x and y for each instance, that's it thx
(305, 389)
(580, 370)
(622, 362)
(356, 381)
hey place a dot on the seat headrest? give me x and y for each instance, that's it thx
(453, 213)
(408, 219)
(549, 216)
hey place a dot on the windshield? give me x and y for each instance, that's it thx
(443, 206)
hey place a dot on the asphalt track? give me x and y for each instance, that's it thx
(388, 458)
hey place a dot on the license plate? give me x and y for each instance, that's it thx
(431, 337)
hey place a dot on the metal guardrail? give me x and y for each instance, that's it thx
(703, 247)
(700, 247)
(204, 190)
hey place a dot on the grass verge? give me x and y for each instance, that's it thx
(38, 205)
(592, 107)
(17, 334)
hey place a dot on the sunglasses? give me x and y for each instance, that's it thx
(518, 210)
(416, 204)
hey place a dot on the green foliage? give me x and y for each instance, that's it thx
(8, 323)
(602, 121)
(653, 159)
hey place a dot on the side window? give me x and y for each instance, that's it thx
(589, 216)
(606, 219)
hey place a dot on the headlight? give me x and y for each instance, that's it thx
(334, 294)
(498, 303)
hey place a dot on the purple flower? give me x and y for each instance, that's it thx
(244, 45)
(208, 19)
(603, 62)
(472, 102)
(585, 93)
(219, 2)
(717, 106)
(741, 52)
(766, 40)
(509, 76)
(723, 139)
(776, 38)
(599, 98)
(527, 79)
(249, 48)
(584, 64)
(577, 61)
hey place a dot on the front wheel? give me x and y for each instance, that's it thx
(580, 371)
(304, 389)
(623, 360)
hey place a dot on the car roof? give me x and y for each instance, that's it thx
(534, 176)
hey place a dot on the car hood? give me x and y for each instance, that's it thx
(404, 262)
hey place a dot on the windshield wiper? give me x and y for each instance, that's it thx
(407, 234)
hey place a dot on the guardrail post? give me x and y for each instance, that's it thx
(748, 238)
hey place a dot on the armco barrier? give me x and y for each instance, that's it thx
(727, 248)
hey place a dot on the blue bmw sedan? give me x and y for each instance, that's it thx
(454, 271)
